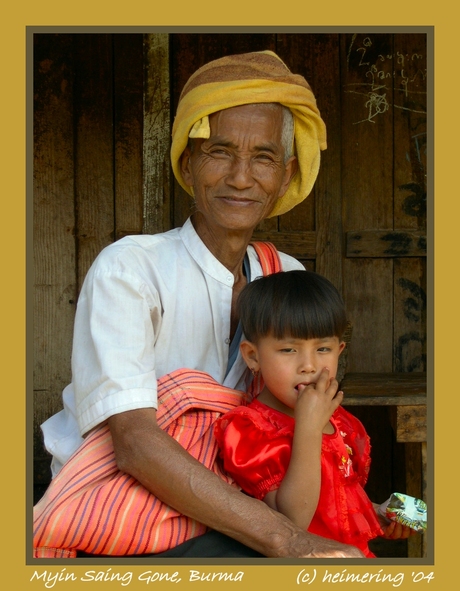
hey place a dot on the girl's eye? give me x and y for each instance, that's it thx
(324, 349)
(287, 350)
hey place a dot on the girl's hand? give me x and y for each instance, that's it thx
(317, 402)
(392, 530)
(397, 531)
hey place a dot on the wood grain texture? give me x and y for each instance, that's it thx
(156, 167)
(128, 133)
(367, 182)
(410, 282)
(384, 389)
(328, 189)
(409, 423)
(54, 252)
(299, 245)
(94, 156)
(410, 121)
(386, 243)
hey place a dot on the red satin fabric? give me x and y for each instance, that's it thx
(255, 443)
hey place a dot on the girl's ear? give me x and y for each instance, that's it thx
(341, 347)
(250, 355)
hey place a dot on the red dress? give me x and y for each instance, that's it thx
(255, 443)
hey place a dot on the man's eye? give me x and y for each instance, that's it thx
(218, 152)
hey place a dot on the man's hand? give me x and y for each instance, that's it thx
(318, 547)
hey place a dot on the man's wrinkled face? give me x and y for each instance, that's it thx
(239, 172)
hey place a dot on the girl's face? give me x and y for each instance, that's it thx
(289, 363)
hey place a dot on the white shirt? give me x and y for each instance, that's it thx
(149, 305)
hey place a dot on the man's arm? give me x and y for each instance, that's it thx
(158, 462)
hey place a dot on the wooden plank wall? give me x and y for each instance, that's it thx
(101, 172)
(88, 151)
(385, 287)
(55, 259)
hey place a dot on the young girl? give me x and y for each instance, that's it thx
(294, 446)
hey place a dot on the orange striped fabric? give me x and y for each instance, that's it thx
(93, 507)
(268, 257)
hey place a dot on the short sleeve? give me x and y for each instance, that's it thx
(254, 451)
(113, 360)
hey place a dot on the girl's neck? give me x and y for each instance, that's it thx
(267, 398)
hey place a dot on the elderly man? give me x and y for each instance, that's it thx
(246, 145)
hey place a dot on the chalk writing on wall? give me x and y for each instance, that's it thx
(385, 79)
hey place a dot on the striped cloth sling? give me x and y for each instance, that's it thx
(93, 507)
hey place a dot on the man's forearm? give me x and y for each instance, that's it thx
(160, 464)
(145, 452)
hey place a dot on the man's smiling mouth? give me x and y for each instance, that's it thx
(237, 200)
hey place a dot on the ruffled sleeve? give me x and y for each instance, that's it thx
(255, 451)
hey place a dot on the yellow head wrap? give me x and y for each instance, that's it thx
(259, 77)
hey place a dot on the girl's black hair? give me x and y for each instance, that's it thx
(296, 304)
